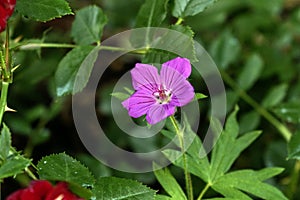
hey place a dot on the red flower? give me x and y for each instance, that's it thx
(43, 190)
(6, 10)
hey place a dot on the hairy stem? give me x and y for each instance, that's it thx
(188, 180)
(286, 134)
(204, 191)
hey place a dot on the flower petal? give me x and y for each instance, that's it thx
(145, 76)
(139, 103)
(182, 65)
(182, 90)
(159, 112)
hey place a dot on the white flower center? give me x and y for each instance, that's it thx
(162, 96)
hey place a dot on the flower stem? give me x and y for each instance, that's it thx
(3, 99)
(204, 191)
(286, 134)
(30, 173)
(294, 180)
(188, 180)
(179, 21)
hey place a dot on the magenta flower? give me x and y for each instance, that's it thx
(156, 95)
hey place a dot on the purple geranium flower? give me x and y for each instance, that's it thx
(156, 95)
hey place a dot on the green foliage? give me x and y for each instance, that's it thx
(289, 112)
(225, 152)
(61, 167)
(11, 162)
(69, 66)
(110, 188)
(88, 25)
(152, 13)
(294, 146)
(169, 183)
(184, 8)
(43, 10)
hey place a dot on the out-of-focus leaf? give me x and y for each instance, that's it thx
(289, 112)
(88, 25)
(275, 96)
(225, 49)
(249, 121)
(61, 167)
(184, 8)
(200, 96)
(68, 69)
(294, 146)
(250, 72)
(43, 10)
(120, 95)
(169, 183)
(111, 188)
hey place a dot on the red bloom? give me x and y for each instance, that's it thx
(6, 10)
(43, 190)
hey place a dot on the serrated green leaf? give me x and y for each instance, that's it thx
(184, 8)
(13, 166)
(169, 183)
(152, 13)
(5, 143)
(225, 49)
(88, 25)
(112, 188)
(294, 146)
(250, 181)
(69, 66)
(289, 112)
(43, 10)
(229, 147)
(61, 167)
(275, 96)
(250, 72)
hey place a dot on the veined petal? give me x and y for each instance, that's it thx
(159, 112)
(139, 103)
(182, 90)
(145, 76)
(182, 65)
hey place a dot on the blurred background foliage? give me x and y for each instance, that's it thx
(255, 44)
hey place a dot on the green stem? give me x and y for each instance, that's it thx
(204, 191)
(32, 46)
(286, 134)
(294, 180)
(179, 21)
(3, 100)
(30, 174)
(188, 180)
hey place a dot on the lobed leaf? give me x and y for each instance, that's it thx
(88, 25)
(112, 188)
(250, 181)
(13, 165)
(61, 167)
(43, 10)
